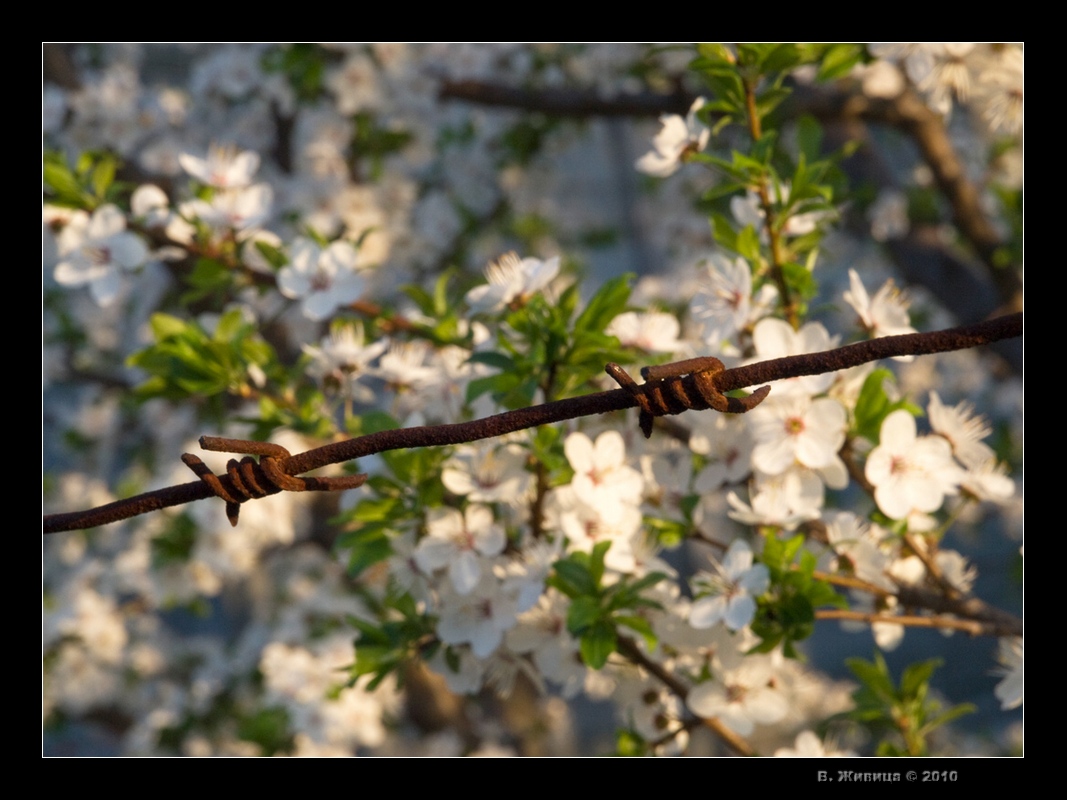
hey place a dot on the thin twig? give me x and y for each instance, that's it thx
(932, 569)
(758, 374)
(774, 238)
(951, 623)
(851, 582)
(629, 649)
(1004, 622)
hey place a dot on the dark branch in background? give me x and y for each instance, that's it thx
(565, 102)
(906, 113)
(491, 427)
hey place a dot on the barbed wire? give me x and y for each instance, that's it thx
(246, 480)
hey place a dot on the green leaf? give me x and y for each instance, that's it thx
(596, 561)
(103, 177)
(573, 579)
(375, 422)
(809, 139)
(713, 54)
(748, 245)
(953, 713)
(500, 385)
(800, 280)
(370, 548)
(839, 60)
(873, 405)
(630, 744)
(778, 57)
(723, 232)
(269, 728)
(596, 644)
(175, 544)
(165, 326)
(272, 255)
(501, 361)
(605, 305)
(874, 675)
(61, 180)
(916, 676)
(769, 100)
(583, 614)
(376, 509)
(646, 582)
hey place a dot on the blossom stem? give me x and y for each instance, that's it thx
(932, 569)
(755, 130)
(850, 582)
(628, 648)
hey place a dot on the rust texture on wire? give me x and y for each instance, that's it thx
(664, 391)
(690, 379)
(249, 480)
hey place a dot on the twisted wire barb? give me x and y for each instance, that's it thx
(671, 388)
(250, 480)
(664, 391)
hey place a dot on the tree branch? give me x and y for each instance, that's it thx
(629, 649)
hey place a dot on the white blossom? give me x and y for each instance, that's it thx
(677, 140)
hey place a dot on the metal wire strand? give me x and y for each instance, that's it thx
(682, 386)
(249, 479)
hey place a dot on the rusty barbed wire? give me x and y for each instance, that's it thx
(250, 479)
(245, 477)
(664, 392)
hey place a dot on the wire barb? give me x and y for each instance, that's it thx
(249, 479)
(682, 386)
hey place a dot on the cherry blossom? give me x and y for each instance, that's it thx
(808, 745)
(585, 525)
(602, 479)
(511, 281)
(857, 549)
(963, 429)
(733, 590)
(748, 211)
(478, 618)
(342, 359)
(325, 279)
(241, 210)
(726, 443)
(909, 472)
(725, 304)
(678, 139)
(784, 500)
(1010, 690)
(452, 541)
(984, 478)
(742, 698)
(94, 249)
(775, 338)
(794, 429)
(652, 331)
(884, 315)
(487, 473)
(223, 168)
